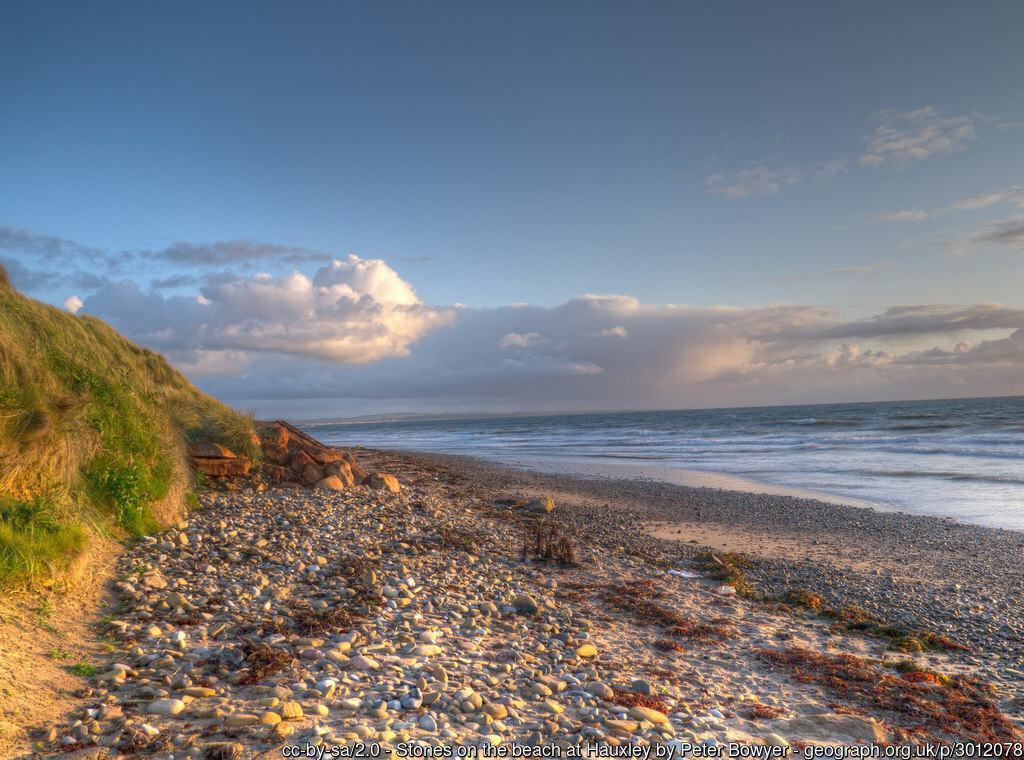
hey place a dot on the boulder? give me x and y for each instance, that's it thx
(358, 473)
(330, 483)
(275, 452)
(312, 474)
(300, 460)
(323, 455)
(380, 481)
(276, 474)
(274, 433)
(222, 468)
(543, 505)
(209, 450)
(341, 470)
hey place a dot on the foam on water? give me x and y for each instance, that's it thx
(960, 458)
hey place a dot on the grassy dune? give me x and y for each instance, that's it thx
(92, 433)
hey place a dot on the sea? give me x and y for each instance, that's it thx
(955, 458)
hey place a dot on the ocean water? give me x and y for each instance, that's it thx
(959, 458)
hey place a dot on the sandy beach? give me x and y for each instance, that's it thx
(363, 618)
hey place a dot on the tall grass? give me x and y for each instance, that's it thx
(91, 434)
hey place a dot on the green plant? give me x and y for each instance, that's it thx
(58, 654)
(83, 669)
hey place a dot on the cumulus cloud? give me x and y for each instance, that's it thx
(748, 183)
(907, 137)
(353, 310)
(72, 304)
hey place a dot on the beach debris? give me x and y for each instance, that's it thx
(379, 481)
(542, 505)
(725, 590)
(684, 574)
(546, 542)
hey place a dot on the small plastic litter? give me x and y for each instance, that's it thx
(684, 574)
(725, 590)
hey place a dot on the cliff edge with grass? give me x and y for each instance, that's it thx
(93, 434)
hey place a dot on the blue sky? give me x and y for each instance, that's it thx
(758, 202)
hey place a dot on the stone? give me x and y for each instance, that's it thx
(223, 468)
(427, 723)
(330, 483)
(498, 712)
(525, 604)
(362, 662)
(290, 710)
(282, 731)
(238, 720)
(426, 650)
(379, 481)
(174, 599)
(165, 707)
(312, 473)
(640, 712)
(774, 740)
(642, 687)
(599, 689)
(587, 650)
(543, 505)
(210, 450)
(154, 580)
(340, 469)
(270, 718)
(300, 460)
(199, 691)
(274, 452)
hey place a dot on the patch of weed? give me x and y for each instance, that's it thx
(83, 669)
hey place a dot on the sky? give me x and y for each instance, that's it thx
(324, 209)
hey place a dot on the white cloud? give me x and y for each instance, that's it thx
(900, 216)
(748, 183)
(906, 137)
(1007, 233)
(1013, 195)
(72, 304)
(351, 311)
(610, 332)
(518, 340)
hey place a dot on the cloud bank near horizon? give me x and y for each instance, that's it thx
(352, 336)
(261, 346)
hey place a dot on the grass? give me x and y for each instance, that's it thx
(83, 669)
(92, 429)
(59, 654)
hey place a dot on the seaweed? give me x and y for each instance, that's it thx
(962, 710)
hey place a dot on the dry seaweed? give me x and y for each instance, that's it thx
(264, 660)
(962, 710)
(545, 541)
